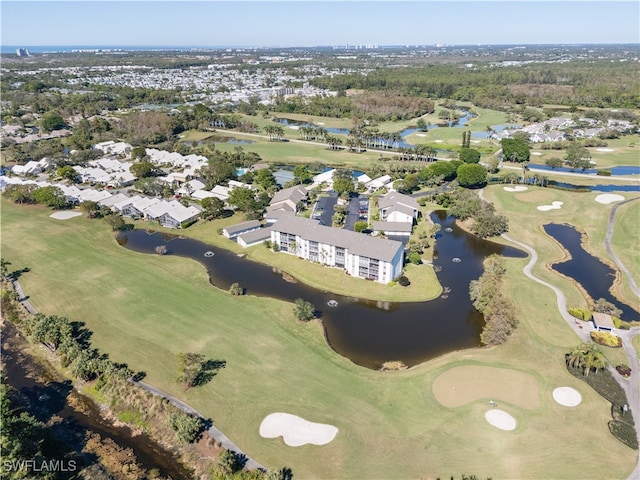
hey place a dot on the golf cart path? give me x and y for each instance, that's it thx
(607, 245)
(631, 385)
(213, 432)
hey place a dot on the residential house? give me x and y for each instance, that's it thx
(179, 216)
(378, 183)
(397, 207)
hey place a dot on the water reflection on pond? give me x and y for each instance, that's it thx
(595, 277)
(365, 331)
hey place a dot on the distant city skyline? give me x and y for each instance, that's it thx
(300, 23)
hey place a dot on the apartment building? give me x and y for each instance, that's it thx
(357, 254)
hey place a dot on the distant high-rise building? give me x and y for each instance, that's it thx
(22, 52)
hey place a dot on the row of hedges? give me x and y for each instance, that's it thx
(606, 339)
(580, 314)
(622, 424)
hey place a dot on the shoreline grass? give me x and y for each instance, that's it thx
(144, 309)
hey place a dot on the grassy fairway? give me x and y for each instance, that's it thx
(580, 210)
(143, 309)
(625, 242)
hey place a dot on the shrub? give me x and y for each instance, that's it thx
(604, 173)
(304, 310)
(236, 289)
(580, 314)
(187, 427)
(161, 249)
(403, 281)
(414, 258)
(393, 365)
(624, 370)
(606, 338)
(624, 432)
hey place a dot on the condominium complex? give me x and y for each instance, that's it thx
(359, 255)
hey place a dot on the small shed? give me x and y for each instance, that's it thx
(602, 321)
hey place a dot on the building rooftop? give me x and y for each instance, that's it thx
(357, 243)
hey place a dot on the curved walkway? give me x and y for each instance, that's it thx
(213, 432)
(607, 246)
(631, 386)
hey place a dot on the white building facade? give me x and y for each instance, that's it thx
(359, 255)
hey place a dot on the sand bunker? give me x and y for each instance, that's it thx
(420, 135)
(567, 396)
(605, 150)
(554, 206)
(607, 198)
(537, 154)
(65, 215)
(500, 419)
(519, 188)
(438, 141)
(296, 431)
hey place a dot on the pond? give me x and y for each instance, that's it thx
(619, 170)
(595, 188)
(595, 277)
(367, 332)
(220, 139)
(403, 133)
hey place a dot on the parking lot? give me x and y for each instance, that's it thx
(323, 209)
(357, 210)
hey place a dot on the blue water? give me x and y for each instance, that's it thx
(621, 170)
(600, 188)
(535, 166)
(241, 171)
(403, 133)
(624, 170)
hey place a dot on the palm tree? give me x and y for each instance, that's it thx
(586, 357)
(269, 130)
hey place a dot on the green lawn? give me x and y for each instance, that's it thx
(578, 209)
(625, 242)
(424, 282)
(143, 309)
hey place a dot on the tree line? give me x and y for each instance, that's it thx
(499, 312)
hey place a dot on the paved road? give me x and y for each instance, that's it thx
(631, 386)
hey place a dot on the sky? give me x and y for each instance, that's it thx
(270, 23)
